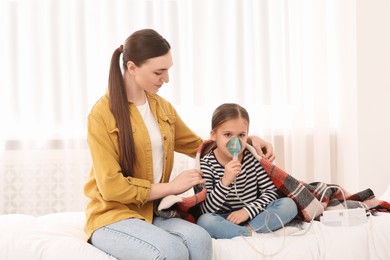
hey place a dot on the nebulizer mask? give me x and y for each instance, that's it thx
(234, 147)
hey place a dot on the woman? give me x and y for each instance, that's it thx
(132, 135)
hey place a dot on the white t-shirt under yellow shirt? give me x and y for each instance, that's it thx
(155, 138)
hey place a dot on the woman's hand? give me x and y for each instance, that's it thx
(232, 170)
(263, 147)
(239, 216)
(183, 182)
(186, 180)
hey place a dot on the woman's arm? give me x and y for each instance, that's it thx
(262, 147)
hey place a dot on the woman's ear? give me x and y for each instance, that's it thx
(131, 67)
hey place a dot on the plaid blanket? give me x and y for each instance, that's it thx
(313, 198)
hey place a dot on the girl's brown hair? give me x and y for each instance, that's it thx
(138, 48)
(228, 111)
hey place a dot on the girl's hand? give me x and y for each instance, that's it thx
(232, 170)
(186, 180)
(239, 216)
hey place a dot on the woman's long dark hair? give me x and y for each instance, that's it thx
(139, 47)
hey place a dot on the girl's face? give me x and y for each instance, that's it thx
(232, 128)
(151, 75)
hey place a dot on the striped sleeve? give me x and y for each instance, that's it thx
(216, 191)
(266, 189)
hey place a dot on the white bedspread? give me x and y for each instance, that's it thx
(60, 236)
(366, 241)
(56, 236)
(369, 241)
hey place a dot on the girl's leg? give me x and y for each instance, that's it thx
(218, 227)
(138, 239)
(195, 238)
(285, 208)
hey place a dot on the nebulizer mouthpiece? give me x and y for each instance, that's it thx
(234, 147)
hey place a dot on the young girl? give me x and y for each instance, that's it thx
(241, 198)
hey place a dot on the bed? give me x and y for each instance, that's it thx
(60, 236)
(43, 183)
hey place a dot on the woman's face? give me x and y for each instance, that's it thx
(151, 75)
(232, 128)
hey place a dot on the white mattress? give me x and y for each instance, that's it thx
(60, 236)
(370, 240)
(366, 241)
(54, 236)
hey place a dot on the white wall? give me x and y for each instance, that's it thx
(373, 81)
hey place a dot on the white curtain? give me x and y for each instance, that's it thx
(290, 63)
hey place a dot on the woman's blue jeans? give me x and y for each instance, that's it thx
(220, 228)
(172, 238)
